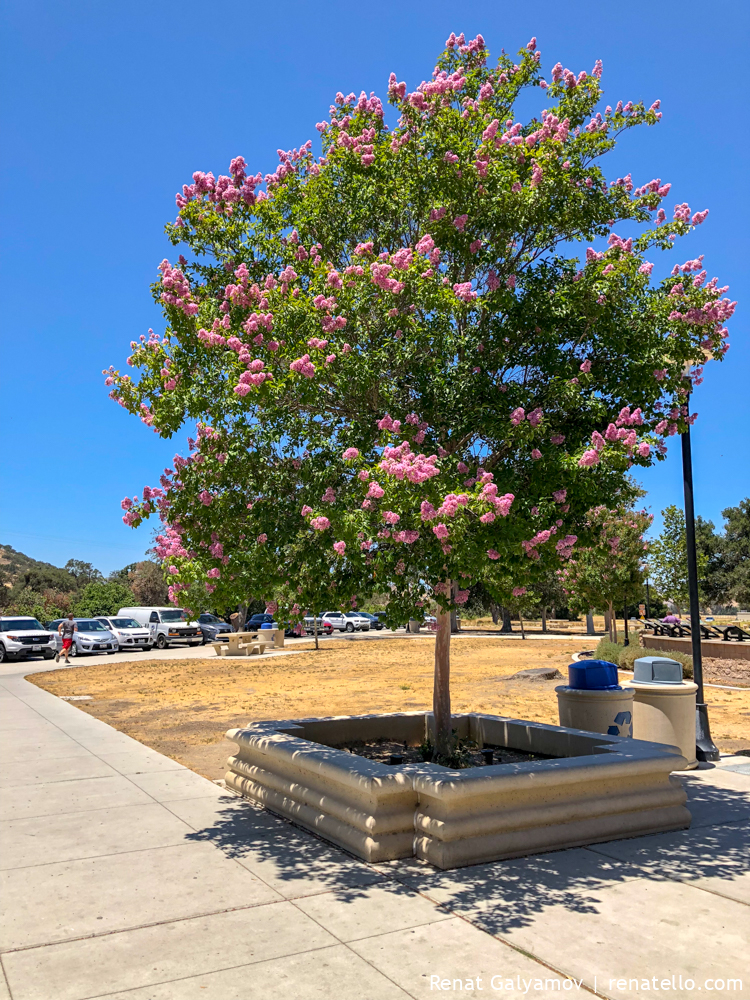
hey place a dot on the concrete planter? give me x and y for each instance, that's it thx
(599, 788)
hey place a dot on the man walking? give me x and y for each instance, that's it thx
(66, 630)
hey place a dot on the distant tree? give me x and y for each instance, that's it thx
(608, 572)
(30, 602)
(147, 584)
(714, 581)
(122, 575)
(83, 572)
(736, 548)
(101, 597)
(668, 559)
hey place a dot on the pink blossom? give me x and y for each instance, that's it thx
(519, 591)
(559, 496)
(205, 498)
(645, 268)
(173, 570)
(441, 531)
(536, 454)
(644, 449)
(320, 523)
(535, 417)
(557, 438)
(375, 491)
(590, 457)
(214, 573)
(517, 416)
(339, 548)
(464, 291)
(660, 374)
(460, 222)
(493, 554)
(350, 454)
(586, 367)
(390, 518)
(511, 282)
(426, 244)
(262, 539)
(329, 496)
(305, 510)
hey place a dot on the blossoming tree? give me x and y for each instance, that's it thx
(610, 568)
(403, 373)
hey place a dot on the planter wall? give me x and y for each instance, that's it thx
(599, 788)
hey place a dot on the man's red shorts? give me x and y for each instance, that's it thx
(67, 643)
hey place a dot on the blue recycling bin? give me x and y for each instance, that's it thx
(593, 675)
(266, 625)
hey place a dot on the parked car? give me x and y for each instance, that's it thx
(166, 625)
(127, 631)
(22, 636)
(337, 620)
(324, 627)
(211, 626)
(357, 622)
(375, 622)
(91, 637)
(260, 621)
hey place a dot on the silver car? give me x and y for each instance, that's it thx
(128, 633)
(91, 637)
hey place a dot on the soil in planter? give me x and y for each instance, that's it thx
(382, 750)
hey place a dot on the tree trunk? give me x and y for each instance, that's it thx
(441, 696)
(544, 619)
(454, 612)
(241, 617)
(612, 624)
(315, 628)
(507, 626)
(520, 618)
(495, 611)
(590, 623)
(608, 624)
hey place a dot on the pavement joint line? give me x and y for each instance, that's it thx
(144, 926)
(93, 857)
(73, 812)
(5, 977)
(183, 979)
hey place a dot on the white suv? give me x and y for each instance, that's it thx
(357, 621)
(22, 636)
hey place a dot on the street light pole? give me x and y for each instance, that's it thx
(705, 748)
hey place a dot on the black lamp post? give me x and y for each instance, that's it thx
(705, 748)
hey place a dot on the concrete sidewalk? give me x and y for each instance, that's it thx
(127, 876)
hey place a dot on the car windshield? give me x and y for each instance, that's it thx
(210, 620)
(333, 614)
(90, 626)
(21, 625)
(353, 614)
(173, 616)
(125, 623)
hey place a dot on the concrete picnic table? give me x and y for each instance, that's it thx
(248, 643)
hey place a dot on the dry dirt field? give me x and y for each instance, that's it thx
(182, 708)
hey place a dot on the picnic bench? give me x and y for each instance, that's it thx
(247, 643)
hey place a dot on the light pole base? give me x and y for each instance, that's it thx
(705, 748)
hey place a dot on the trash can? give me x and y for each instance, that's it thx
(593, 700)
(664, 705)
(414, 625)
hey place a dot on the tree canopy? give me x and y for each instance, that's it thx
(401, 369)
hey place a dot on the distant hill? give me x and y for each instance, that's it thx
(18, 569)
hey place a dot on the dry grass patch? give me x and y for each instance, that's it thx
(182, 708)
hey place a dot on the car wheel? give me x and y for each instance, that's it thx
(161, 642)
(3, 654)
(48, 654)
(73, 650)
(349, 627)
(111, 652)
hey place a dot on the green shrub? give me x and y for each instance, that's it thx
(609, 651)
(625, 656)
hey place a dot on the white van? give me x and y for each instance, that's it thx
(166, 625)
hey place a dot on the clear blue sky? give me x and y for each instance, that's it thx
(108, 108)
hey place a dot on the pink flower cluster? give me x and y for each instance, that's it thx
(402, 463)
(176, 289)
(303, 366)
(320, 523)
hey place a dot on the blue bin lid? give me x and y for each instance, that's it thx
(593, 675)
